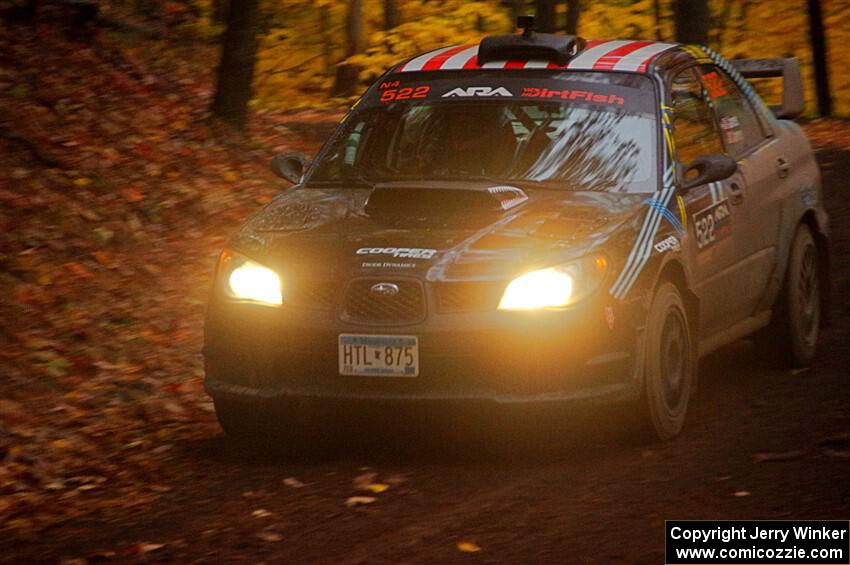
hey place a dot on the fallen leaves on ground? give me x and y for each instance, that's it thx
(377, 488)
(271, 537)
(111, 215)
(354, 501)
(292, 482)
(369, 481)
(140, 548)
(778, 457)
(467, 547)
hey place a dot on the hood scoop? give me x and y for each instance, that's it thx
(417, 202)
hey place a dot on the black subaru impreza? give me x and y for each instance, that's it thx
(535, 219)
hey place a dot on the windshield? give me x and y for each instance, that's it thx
(582, 131)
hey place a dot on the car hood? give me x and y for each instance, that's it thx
(450, 231)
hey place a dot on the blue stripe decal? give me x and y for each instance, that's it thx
(670, 216)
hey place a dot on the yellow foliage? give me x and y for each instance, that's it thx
(305, 41)
(296, 64)
(741, 29)
(468, 24)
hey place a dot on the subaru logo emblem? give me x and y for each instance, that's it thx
(384, 289)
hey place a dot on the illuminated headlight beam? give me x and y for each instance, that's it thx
(547, 288)
(254, 282)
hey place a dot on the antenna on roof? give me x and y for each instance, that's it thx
(529, 45)
(526, 23)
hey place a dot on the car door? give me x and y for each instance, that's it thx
(752, 192)
(709, 215)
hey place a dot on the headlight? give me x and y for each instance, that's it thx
(244, 279)
(555, 287)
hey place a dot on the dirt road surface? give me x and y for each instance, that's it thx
(761, 442)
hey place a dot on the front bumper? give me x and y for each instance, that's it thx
(254, 353)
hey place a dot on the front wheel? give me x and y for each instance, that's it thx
(793, 331)
(669, 366)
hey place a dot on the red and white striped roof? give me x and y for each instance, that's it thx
(610, 55)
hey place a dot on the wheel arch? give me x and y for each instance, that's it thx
(810, 219)
(674, 272)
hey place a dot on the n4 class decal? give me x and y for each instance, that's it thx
(712, 224)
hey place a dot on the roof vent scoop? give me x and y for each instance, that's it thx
(529, 45)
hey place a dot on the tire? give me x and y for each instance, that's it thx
(793, 331)
(669, 367)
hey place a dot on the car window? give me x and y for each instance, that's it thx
(694, 128)
(576, 131)
(739, 125)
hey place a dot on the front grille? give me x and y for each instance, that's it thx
(468, 296)
(364, 306)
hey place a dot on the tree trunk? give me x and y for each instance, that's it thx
(392, 16)
(219, 11)
(722, 24)
(573, 13)
(236, 66)
(327, 38)
(348, 75)
(656, 8)
(545, 16)
(691, 19)
(29, 10)
(518, 8)
(817, 37)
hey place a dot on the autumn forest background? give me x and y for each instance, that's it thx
(302, 45)
(294, 54)
(135, 136)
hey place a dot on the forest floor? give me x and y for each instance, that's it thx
(116, 195)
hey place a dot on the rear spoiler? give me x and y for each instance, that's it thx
(793, 100)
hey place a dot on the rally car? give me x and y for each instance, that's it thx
(534, 219)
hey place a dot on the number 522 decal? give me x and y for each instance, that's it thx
(712, 224)
(404, 93)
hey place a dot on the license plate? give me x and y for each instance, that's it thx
(379, 355)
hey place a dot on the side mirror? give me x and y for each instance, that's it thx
(289, 166)
(708, 168)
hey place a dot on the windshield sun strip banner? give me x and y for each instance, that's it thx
(561, 88)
